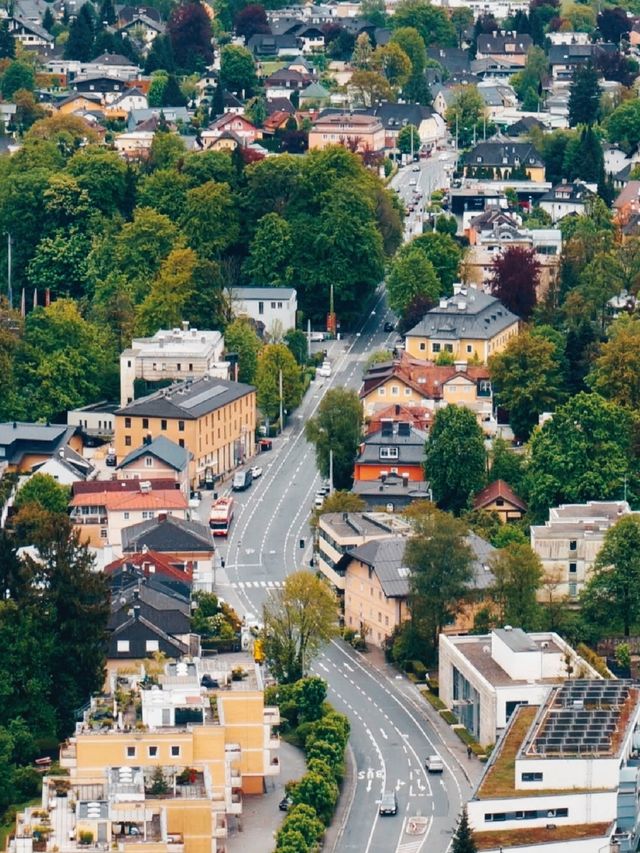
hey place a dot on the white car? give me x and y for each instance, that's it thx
(194, 500)
(256, 472)
(324, 369)
(434, 764)
(318, 500)
(317, 336)
(443, 157)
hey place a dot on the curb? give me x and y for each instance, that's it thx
(348, 791)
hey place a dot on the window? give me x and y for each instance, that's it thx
(573, 544)
(152, 646)
(126, 516)
(279, 304)
(103, 533)
(493, 817)
(531, 777)
(499, 501)
(153, 752)
(180, 426)
(178, 367)
(145, 423)
(386, 621)
(163, 424)
(423, 346)
(448, 347)
(573, 589)
(131, 752)
(407, 392)
(127, 441)
(175, 751)
(123, 645)
(395, 390)
(273, 304)
(573, 568)
(181, 442)
(388, 453)
(127, 423)
(435, 347)
(260, 307)
(148, 461)
(128, 364)
(469, 348)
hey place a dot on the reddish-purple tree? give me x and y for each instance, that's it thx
(514, 280)
(250, 21)
(189, 29)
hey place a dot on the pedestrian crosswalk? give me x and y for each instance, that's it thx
(410, 846)
(256, 584)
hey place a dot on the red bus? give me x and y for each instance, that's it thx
(221, 516)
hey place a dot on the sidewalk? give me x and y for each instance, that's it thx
(261, 818)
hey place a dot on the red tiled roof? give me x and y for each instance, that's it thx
(498, 489)
(158, 499)
(163, 483)
(144, 560)
(426, 378)
(419, 416)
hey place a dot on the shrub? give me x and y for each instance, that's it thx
(434, 700)
(594, 659)
(466, 737)
(448, 717)
(85, 837)
(317, 791)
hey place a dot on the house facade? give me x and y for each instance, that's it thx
(398, 448)
(499, 497)
(470, 324)
(212, 418)
(504, 160)
(272, 308)
(356, 131)
(158, 458)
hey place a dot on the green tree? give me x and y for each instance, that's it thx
(409, 140)
(393, 63)
(165, 191)
(270, 253)
(164, 306)
(298, 620)
(159, 80)
(462, 19)
(311, 692)
(238, 70)
(18, 75)
(584, 450)
(205, 166)
(362, 57)
(584, 96)
(103, 175)
(240, 338)
(211, 220)
(44, 491)
(273, 360)
(60, 263)
(318, 791)
(337, 427)
(337, 501)
(302, 818)
(527, 380)
(616, 372)
(455, 458)
(445, 255)
(517, 573)
(440, 563)
(432, 22)
(507, 464)
(167, 150)
(7, 42)
(463, 840)
(374, 11)
(531, 77)
(466, 114)
(412, 43)
(79, 45)
(623, 125)
(411, 275)
(256, 111)
(611, 596)
(369, 87)
(297, 342)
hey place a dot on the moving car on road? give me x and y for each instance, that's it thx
(388, 803)
(324, 369)
(256, 472)
(434, 764)
(389, 327)
(242, 480)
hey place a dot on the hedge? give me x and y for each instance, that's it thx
(466, 737)
(448, 717)
(434, 700)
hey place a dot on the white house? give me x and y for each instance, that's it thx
(564, 776)
(483, 678)
(273, 307)
(567, 198)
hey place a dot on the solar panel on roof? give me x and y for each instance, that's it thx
(202, 397)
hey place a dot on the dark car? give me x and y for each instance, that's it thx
(389, 327)
(285, 804)
(111, 460)
(209, 682)
(388, 803)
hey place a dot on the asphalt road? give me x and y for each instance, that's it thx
(390, 735)
(433, 174)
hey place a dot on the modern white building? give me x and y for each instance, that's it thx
(569, 542)
(484, 677)
(272, 308)
(564, 776)
(171, 354)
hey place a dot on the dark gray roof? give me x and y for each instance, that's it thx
(188, 400)
(518, 44)
(410, 448)
(112, 59)
(516, 639)
(453, 59)
(503, 154)
(162, 448)
(392, 490)
(476, 316)
(577, 191)
(18, 439)
(386, 558)
(244, 293)
(167, 535)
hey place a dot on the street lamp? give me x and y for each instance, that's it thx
(323, 430)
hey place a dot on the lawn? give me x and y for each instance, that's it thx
(538, 835)
(500, 778)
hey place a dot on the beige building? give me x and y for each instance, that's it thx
(159, 458)
(355, 131)
(482, 678)
(171, 354)
(173, 782)
(212, 418)
(339, 532)
(499, 497)
(569, 542)
(468, 325)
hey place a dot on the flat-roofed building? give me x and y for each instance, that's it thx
(484, 677)
(569, 542)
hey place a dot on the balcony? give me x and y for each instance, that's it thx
(68, 755)
(272, 716)
(220, 828)
(235, 776)
(218, 803)
(273, 740)
(235, 806)
(272, 766)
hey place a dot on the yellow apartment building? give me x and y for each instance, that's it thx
(172, 781)
(470, 325)
(214, 419)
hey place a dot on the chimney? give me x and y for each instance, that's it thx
(136, 611)
(405, 481)
(461, 304)
(443, 303)
(185, 325)
(460, 366)
(457, 287)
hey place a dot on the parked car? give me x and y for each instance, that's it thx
(256, 472)
(317, 336)
(209, 682)
(389, 326)
(242, 480)
(324, 369)
(434, 764)
(265, 444)
(285, 804)
(111, 459)
(318, 500)
(389, 803)
(194, 500)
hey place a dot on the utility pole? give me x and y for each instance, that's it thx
(281, 406)
(411, 128)
(309, 338)
(9, 271)
(331, 472)
(456, 131)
